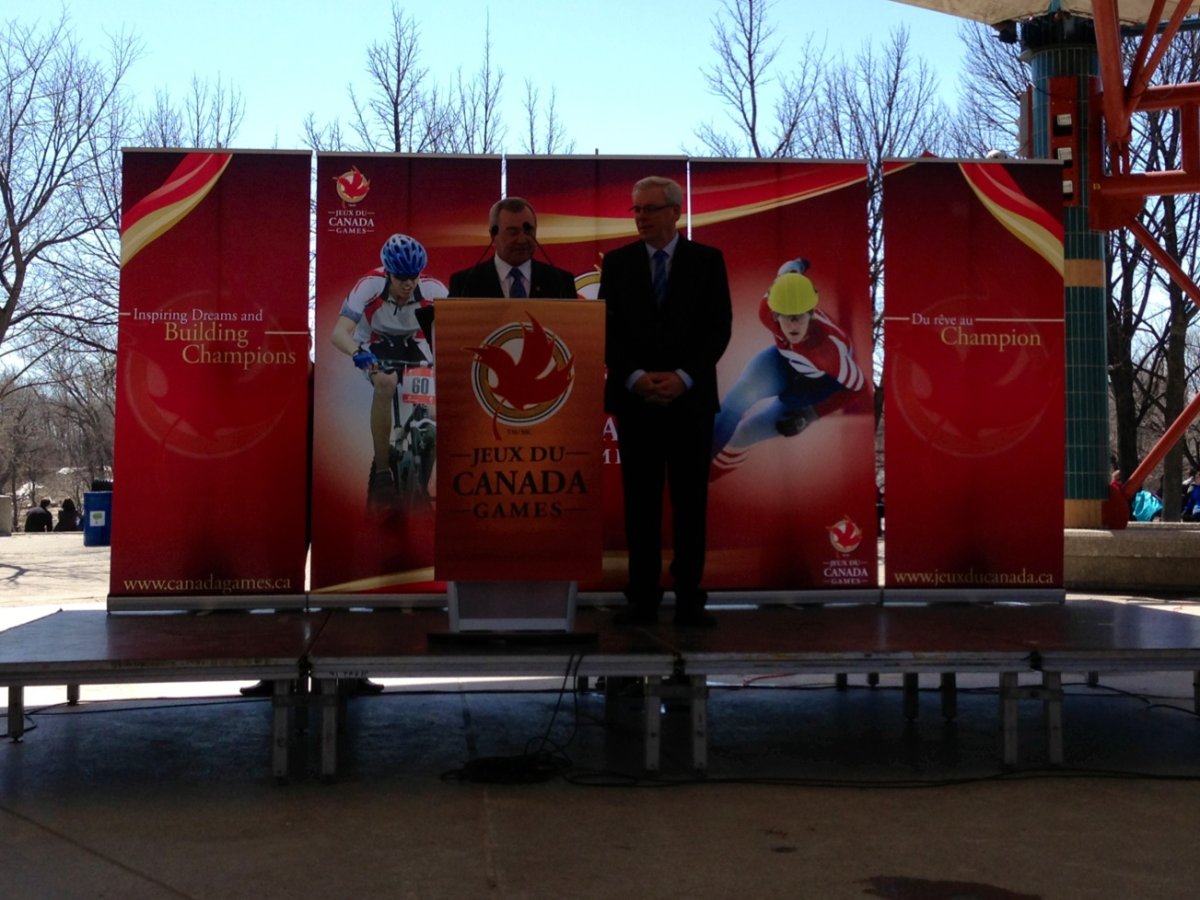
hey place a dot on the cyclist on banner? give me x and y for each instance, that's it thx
(810, 371)
(385, 326)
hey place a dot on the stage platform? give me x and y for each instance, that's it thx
(662, 663)
(81, 647)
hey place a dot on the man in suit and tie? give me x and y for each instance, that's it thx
(513, 272)
(668, 320)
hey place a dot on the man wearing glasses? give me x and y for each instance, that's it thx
(668, 320)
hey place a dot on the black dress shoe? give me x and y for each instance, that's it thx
(636, 615)
(695, 618)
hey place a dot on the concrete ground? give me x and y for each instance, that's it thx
(165, 791)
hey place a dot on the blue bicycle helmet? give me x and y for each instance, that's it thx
(403, 256)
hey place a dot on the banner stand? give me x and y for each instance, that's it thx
(201, 602)
(989, 594)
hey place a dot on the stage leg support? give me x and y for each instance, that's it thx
(1052, 709)
(1009, 694)
(280, 701)
(692, 692)
(16, 712)
(327, 692)
(949, 696)
(912, 697)
(652, 693)
(698, 689)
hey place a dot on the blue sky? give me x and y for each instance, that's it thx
(627, 72)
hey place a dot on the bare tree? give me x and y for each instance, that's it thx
(323, 137)
(766, 122)
(548, 137)
(62, 120)
(883, 104)
(400, 112)
(404, 110)
(1131, 362)
(210, 116)
(992, 83)
(26, 443)
(83, 407)
(476, 125)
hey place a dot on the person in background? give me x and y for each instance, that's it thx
(1191, 499)
(68, 517)
(40, 519)
(1146, 506)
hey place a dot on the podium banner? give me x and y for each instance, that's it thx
(211, 480)
(975, 415)
(520, 400)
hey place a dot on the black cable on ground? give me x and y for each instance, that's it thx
(542, 760)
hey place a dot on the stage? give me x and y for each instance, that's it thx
(660, 664)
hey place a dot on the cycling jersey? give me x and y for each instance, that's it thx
(376, 315)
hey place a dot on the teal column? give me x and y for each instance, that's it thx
(1056, 48)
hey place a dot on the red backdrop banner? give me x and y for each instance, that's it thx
(792, 511)
(212, 377)
(975, 378)
(361, 200)
(761, 536)
(521, 399)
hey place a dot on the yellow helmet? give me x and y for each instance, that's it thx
(792, 294)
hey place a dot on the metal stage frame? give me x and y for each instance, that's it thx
(90, 647)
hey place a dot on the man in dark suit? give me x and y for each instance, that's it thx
(512, 224)
(668, 320)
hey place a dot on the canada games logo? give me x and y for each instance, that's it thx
(349, 218)
(352, 186)
(522, 375)
(845, 535)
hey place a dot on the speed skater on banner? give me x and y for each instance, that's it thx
(385, 325)
(808, 372)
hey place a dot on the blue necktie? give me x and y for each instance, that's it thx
(518, 284)
(660, 276)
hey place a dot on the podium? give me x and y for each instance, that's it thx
(519, 519)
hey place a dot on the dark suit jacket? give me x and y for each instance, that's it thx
(481, 280)
(690, 332)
